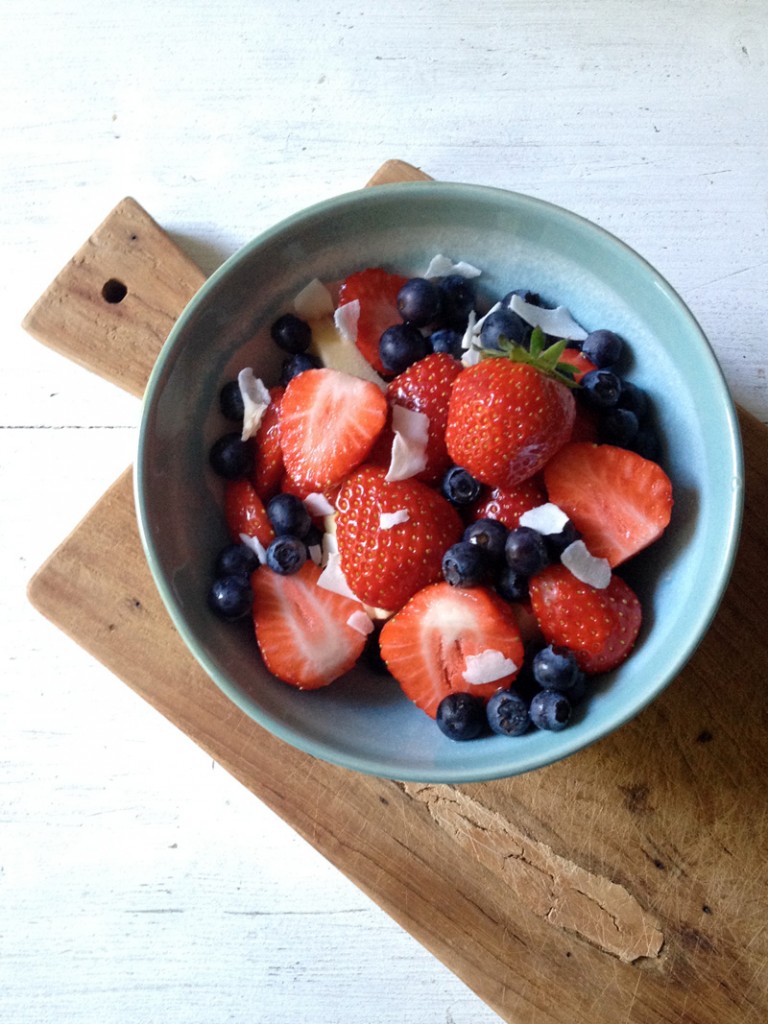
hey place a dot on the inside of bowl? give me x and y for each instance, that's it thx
(363, 721)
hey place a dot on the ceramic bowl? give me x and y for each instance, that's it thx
(362, 721)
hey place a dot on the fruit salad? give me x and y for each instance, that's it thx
(444, 490)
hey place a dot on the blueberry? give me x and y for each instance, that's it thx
(511, 585)
(460, 487)
(231, 597)
(291, 334)
(313, 538)
(418, 301)
(633, 398)
(297, 364)
(401, 346)
(461, 716)
(457, 300)
(530, 297)
(464, 564)
(231, 457)
(236, 560)
(503, 323)
(618, 426)
(550, 710)
(558, 542)
(603, 348)
(507, 713)
(231, 402)
(647, 444)
(555, 668)
(288, 515)
(447, 340)
(525, 551)
(488, 534)
(372, 653)
(600, 389)
(286, 555)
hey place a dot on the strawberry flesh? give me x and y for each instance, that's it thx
(376, 291)
(268, 456)
(427, 643)
(244, 512)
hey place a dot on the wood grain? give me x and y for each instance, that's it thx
(626, 883)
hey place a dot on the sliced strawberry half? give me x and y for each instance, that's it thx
(376, 292)
(445, 636)
(426, 387)
(619, 501)
(329, 421)
(244, 512)
(268, 455)
(303, 630)
(508, 504)
(385, 560)
(599, 626)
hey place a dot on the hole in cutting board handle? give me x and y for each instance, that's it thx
(113, 291)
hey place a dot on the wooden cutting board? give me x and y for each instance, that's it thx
(628, 883)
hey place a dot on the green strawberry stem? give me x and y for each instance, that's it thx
(545, 358)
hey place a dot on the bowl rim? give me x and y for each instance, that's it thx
(384, 194)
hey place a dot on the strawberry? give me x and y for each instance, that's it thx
(427, 643)
(506, 420)
(329, 421)
(376, 291)
(619, 501)
(507, 505)
(267, 453)
(302, 630)
(575, 357)
(386, 566)
(244, 512)
(586, 425)
(599, 626)
(426, 387)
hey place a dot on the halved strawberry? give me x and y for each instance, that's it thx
(508, 504)
(376, 291)
(426, 387)
(429, 646)
(268, 455)
(506, 419)
(599, 626)
(329, 421)
(619, 501)
(244, 512)
(386, 562)
(302, 629)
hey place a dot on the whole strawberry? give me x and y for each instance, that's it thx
(507, 418)
(391, 536)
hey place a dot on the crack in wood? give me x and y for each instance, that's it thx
(568, 896)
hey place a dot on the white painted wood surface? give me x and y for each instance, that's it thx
(138, 882)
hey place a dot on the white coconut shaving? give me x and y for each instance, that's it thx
(256, 546)
(313, 301)
(546, 519)
(332, 577)
(387, 520)
(256, 401)
(596, 572)
(469, 344)
(442, 266)
(346, 319)
(318, 505)
(360, 622)
(556, 322)
(487, 667)
(409, 447)
(315, 552)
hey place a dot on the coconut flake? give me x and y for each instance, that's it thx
(469, 342)
(313, 301)
(256, 546)
(256, 401)
(360, 622)
(318, 505)
(487, 667)
(546, 519)
(346, 318)
(315, 553)
(409, 447)
(389, 519)
(585, 566)
(442, 266)
(556, 322)
(332, 578)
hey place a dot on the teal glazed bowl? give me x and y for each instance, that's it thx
(362, 721)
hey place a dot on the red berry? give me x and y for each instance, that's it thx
(507, 505)
(268, 456)
(376, 290)
(244, 512)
